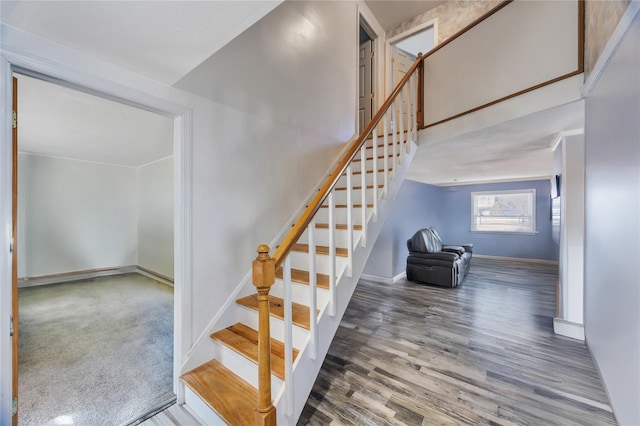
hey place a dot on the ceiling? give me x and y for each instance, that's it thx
(519, 149)
(391, 13)
(61, 122)
(141, 35)
(163, 40)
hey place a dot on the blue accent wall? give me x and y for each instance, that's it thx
(457, 223)
(416, 206)
(419, 205)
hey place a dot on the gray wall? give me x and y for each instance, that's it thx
(612, 238)
(416, 207)
(457, 205)
(449, 209)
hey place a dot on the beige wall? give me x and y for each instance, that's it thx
(452, 17)
(601, 18)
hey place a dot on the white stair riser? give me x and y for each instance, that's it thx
(242, 366)
(201, 409)
(340, 215)
(249, 317)
(300, 293)
(322, 237)
(300, 260)
(356, 180)
(356, 196)
(379, 163)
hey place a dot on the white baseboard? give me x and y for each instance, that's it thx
(91, 274)
(568, 328)
(400, 276)
(516, 259)
(377, 279)
(384, 280)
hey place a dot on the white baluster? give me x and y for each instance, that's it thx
(349, 221)
(363, 191)
(313, 296)
(394, 123)
(332, 255)
(410, 115)
(375, 175)
(401, 123)
(385, 151)
(288, 337)
(415, 107)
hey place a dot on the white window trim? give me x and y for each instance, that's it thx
(531, 191)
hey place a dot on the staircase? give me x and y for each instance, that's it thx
(273, 342)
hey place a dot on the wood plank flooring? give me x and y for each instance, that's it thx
(483, 353)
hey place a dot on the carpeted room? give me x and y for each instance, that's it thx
(95, 258)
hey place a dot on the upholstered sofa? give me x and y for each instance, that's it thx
(431, 262)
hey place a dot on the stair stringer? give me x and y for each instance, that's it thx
(306, 370)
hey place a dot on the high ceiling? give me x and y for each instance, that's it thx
(142, 35)
(163, 40)
(391, 13)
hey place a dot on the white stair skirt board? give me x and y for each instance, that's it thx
(200, 410)
(384, 280)
(305, 368)
(568, 328)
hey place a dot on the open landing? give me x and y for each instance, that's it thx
(483, 353)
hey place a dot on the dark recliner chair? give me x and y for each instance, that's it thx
(431, 262)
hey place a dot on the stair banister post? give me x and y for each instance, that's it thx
(264, 275)
(420, 100)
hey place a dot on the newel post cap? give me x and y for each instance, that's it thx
(263, 268)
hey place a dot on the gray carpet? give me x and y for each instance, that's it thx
(94, 352)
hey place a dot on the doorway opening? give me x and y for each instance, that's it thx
(403, 49)
(366, 74)
(95, 255)
(38, 165)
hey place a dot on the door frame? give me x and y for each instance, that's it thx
(365, 18)
(399, 37)
(94, 79)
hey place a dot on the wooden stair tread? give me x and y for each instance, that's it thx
(304, 248)
(338, 226)
(358, 172)
(233, 399)
(380, 157)
(381, 145)
(302, 277)
(299, 313)
(344, 206)
(357, 188)
(244, 340)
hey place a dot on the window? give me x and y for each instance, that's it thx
(504, 211)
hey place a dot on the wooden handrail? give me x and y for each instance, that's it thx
(298, 229)
(264, 267)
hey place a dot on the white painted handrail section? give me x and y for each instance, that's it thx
(288, 336)
(333, 294)
(390, 120)
(313, 295)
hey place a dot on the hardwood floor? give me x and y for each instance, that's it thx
(483, 353)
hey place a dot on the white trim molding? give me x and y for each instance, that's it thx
(609, 49)
(22, 52)
(568, 329)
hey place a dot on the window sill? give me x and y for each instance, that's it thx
(505, 232)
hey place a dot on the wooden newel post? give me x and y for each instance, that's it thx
(420, 97)
(264, 275)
